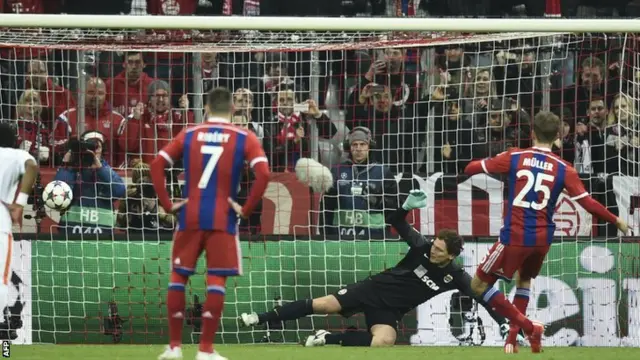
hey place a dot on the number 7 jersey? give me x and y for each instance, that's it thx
(536, 177)
(213, 156)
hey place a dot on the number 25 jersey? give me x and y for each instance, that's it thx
(213, 156)
(536, 177)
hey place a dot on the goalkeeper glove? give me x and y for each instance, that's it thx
(417, 199)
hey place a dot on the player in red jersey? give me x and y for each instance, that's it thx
(213, 155)
(536, 178)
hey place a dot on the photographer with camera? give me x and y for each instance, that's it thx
(95, 186)
(139, 211)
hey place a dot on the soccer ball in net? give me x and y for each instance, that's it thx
(57, 195)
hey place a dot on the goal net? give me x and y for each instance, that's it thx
(433, 101)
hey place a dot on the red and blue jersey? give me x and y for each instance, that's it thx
(213, 156)
(536, 177)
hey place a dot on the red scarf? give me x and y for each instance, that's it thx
(289, 126)
(251, 8)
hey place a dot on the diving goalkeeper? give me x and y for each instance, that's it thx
(426, 270)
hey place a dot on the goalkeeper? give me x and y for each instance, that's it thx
(428, 269)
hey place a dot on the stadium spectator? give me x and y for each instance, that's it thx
(517, 77)
(391, 121)
(590, 139)
(173, 67)
(214, 73)
(251, 224)
(276, 77)
(153, 125)
(452, 65)
(453, 131)
(139, 211)
(388, 69)
(622, 141)
(95, 187)
(13, 61)
(363, 193)
(292, 134)
(130, 86)
(243, 105)
(503, 127)
(480, 89)
(383, 101)
(33, 135)
(565, 146)
(55, 99)
(98, 116)
(595, 80)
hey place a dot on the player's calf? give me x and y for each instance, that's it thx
(176, 308)
(347, 338)
(293, 310)
(496, 299)
(211, 312)
(383, 335)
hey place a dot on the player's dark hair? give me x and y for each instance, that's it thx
(546, 126)
(133, 53)
(8, 136)
(453, 241)
(220, 100)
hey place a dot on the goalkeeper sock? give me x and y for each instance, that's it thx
(212, 311)
(175, 308)
(291, 311)
(521, 300)
(349, 338)
(499, 302)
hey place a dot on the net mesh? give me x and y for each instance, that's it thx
(433, 102)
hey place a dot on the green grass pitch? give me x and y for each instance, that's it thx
(293, 352)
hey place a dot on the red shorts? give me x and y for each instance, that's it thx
(222, 252)
(503, 261)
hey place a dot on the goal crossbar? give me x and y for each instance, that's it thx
(318, 23)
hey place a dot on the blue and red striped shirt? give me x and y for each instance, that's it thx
(536, 177)
(213, 155)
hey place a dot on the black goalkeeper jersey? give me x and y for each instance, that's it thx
(415, 280)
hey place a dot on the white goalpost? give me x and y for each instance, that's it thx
(452, 90)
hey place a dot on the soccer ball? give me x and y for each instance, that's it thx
(57, 195)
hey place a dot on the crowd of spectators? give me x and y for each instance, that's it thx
(424, 109)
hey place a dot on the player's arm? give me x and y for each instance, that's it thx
(254, 154)
(29, 177)
(166, 157)
(499, 164)
(577, 192)
(407, 232)
(463, 282)
(29, 172)
(416, 199)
